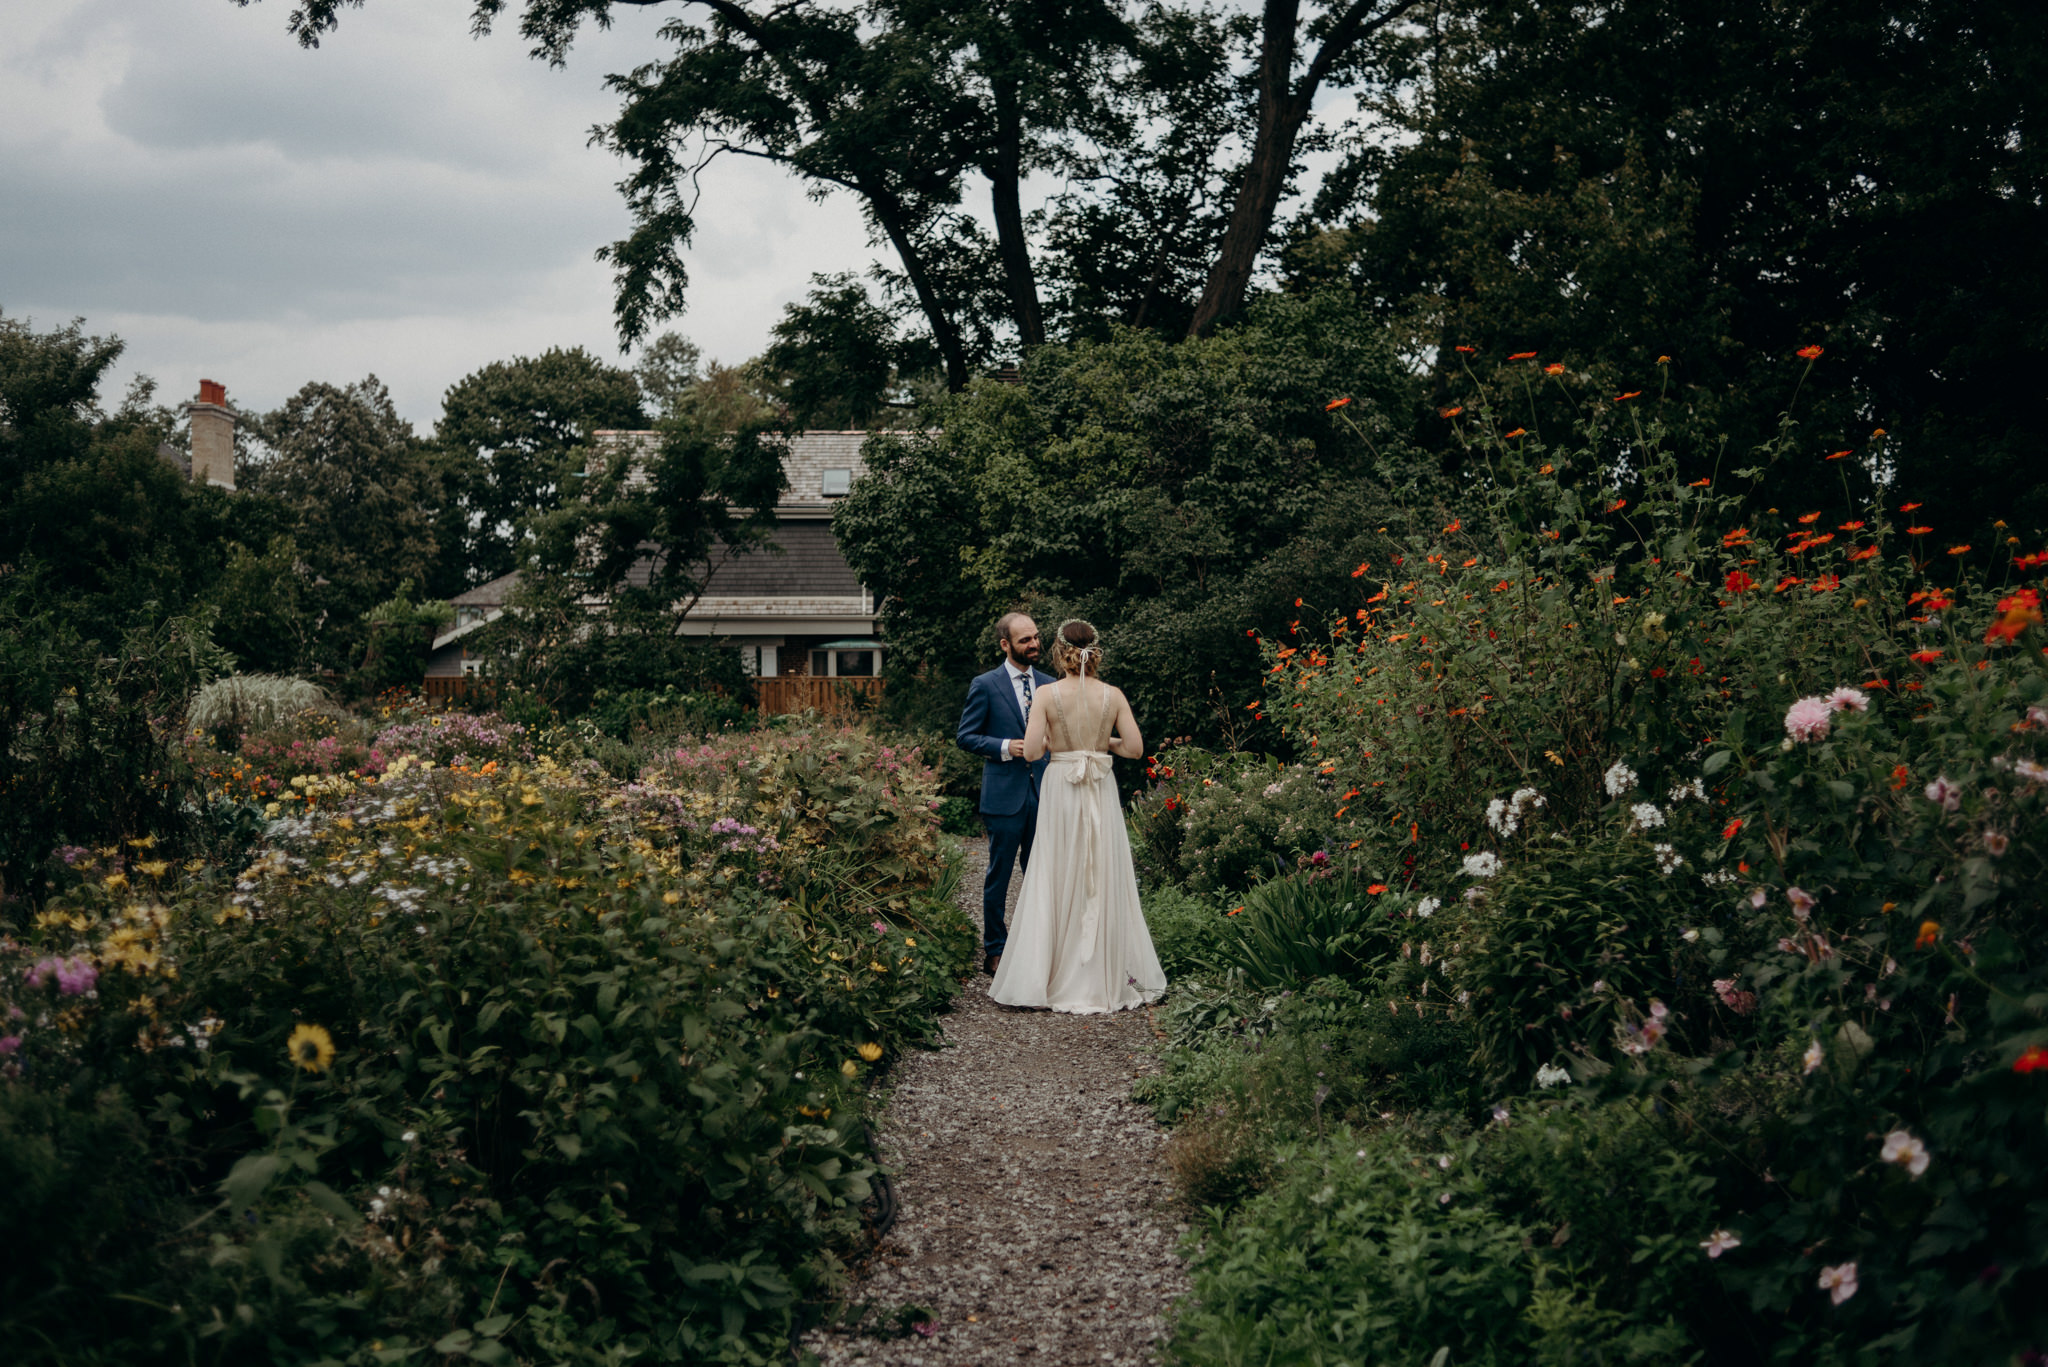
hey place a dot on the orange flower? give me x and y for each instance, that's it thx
(1375, 889)
(1360, 570)
(1548, 468)
(1839, 454)
(1918, 531)
(1632, 394)
(1907, 507)
(1518, 432)
(1787, 582)
(1930, 931)
(1924, 657)
(1806, 518)
(1863, 554)
(1335, 404)
(1900, 778)
(2020, 611)
(1699, 484)
(1850, 527)
(1450, 412)
(1456, 523)
(1663, 360)
(1826, 583)
(1728, 831)
(1467, 350)
(1877, 432)
(1554, 368)
(1617, 505)
(1958, 550)
(1523, 356)
(1810, 353)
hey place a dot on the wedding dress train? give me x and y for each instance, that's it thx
(1078, 941)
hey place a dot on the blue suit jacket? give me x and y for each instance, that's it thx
(989, 722)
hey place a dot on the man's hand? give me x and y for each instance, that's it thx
(1016, 750)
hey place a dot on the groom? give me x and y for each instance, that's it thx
(992, 726)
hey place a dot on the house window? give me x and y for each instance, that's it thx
(847, 660)
(836, 483)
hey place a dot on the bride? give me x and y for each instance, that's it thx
(1078, 941)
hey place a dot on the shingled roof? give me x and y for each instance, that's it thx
(809, 456)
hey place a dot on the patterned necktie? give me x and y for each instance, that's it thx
(1026, 677)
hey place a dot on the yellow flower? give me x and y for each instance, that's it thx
(311, 1047)
(529, 798)
(147, 842)
(671, 898)
(116, 881)
(908, 941)
(155, 868)
(870, 1052)
(850, 1068)
(877, 966)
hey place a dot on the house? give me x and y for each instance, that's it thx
(793, 608)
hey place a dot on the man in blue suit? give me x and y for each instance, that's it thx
(992, 726)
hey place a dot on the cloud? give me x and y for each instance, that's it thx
(405, 200)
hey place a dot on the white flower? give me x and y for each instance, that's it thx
(1718, 877)
(1443, 1199)
(1549, 1076)
(2026, 769)
(1839, 1281)
(1902, 1148)
(1668, 859)
(1619, 778)
(1719, 1242)
(1646, 815)
(409, 1136)
(1527, 797)
(1484, 864)
(1427, 907)
(1758, 898)
(1272, 790)
(1995, 843)
(1443, 1161)
(1500, 1115)
(1690, 937)
(1946, 795)
(1500, 816)
(1814, 1056)
(1695, 789)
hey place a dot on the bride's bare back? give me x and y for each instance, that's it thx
(1082, 713)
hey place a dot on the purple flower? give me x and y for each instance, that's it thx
(75, 976)
(9, 1043)
(924, 1329)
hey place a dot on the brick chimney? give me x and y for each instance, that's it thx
(213, 436)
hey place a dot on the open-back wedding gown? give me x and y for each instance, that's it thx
(1078, 941)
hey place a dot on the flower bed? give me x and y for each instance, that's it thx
(505, 1063)
(1716, 835)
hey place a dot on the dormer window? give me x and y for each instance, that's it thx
(835, 483)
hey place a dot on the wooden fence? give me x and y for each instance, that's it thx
(830, 697)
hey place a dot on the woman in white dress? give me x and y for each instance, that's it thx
(1078, 941)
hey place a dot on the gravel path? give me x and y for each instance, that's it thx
(1034, 1222)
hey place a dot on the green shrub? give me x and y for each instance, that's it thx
(1312, 925)
(1187, 930)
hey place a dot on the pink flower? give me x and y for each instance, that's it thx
(881, 929)
(1995, 843)
(1734, 998)
(1839, 1281)
(1802, 902)
(1720, 1241)
(1809, 719)
(1849, 700)
(9, 1043)
(1944, 794)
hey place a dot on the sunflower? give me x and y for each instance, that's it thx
(311, 1047)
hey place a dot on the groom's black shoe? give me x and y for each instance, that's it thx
(991, 964)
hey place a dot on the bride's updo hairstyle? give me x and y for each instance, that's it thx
(1077, 649)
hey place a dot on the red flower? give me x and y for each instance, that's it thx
(1360, 570)
(1375, 889)
(1810, 353)
(1808, 518)
(1467, 350)
(1918, 531)
(2032, 1059)
(1899, 777)
(1728, 831)
(1632, 394)
(1863, 554)
(1456, 523)
(1958, 550)
(1907, 507)
(1523, 356)
(1850, 527)
(1658, 672)
(1826, 583)
(1518, 432)
(1617, 505)
(1839, 454)
(1738, 582)
(1699, 484)
(1554, 368)
(1335, 404)
(1925, 657)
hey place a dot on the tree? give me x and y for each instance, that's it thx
(1285, 102)
(1723, 184)
(507, 433)
(833, 357)
(364, 497)
(669, 366)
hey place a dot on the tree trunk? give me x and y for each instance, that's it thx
(1004, 173)
(889, 213)
(1284, 105)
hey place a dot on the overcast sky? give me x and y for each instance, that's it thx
(407, 200)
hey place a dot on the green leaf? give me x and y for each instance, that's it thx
(329, 1200)
(570, 1145)
(247, 1179)
(1716, 762)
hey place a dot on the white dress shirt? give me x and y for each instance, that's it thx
(1017, 677)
